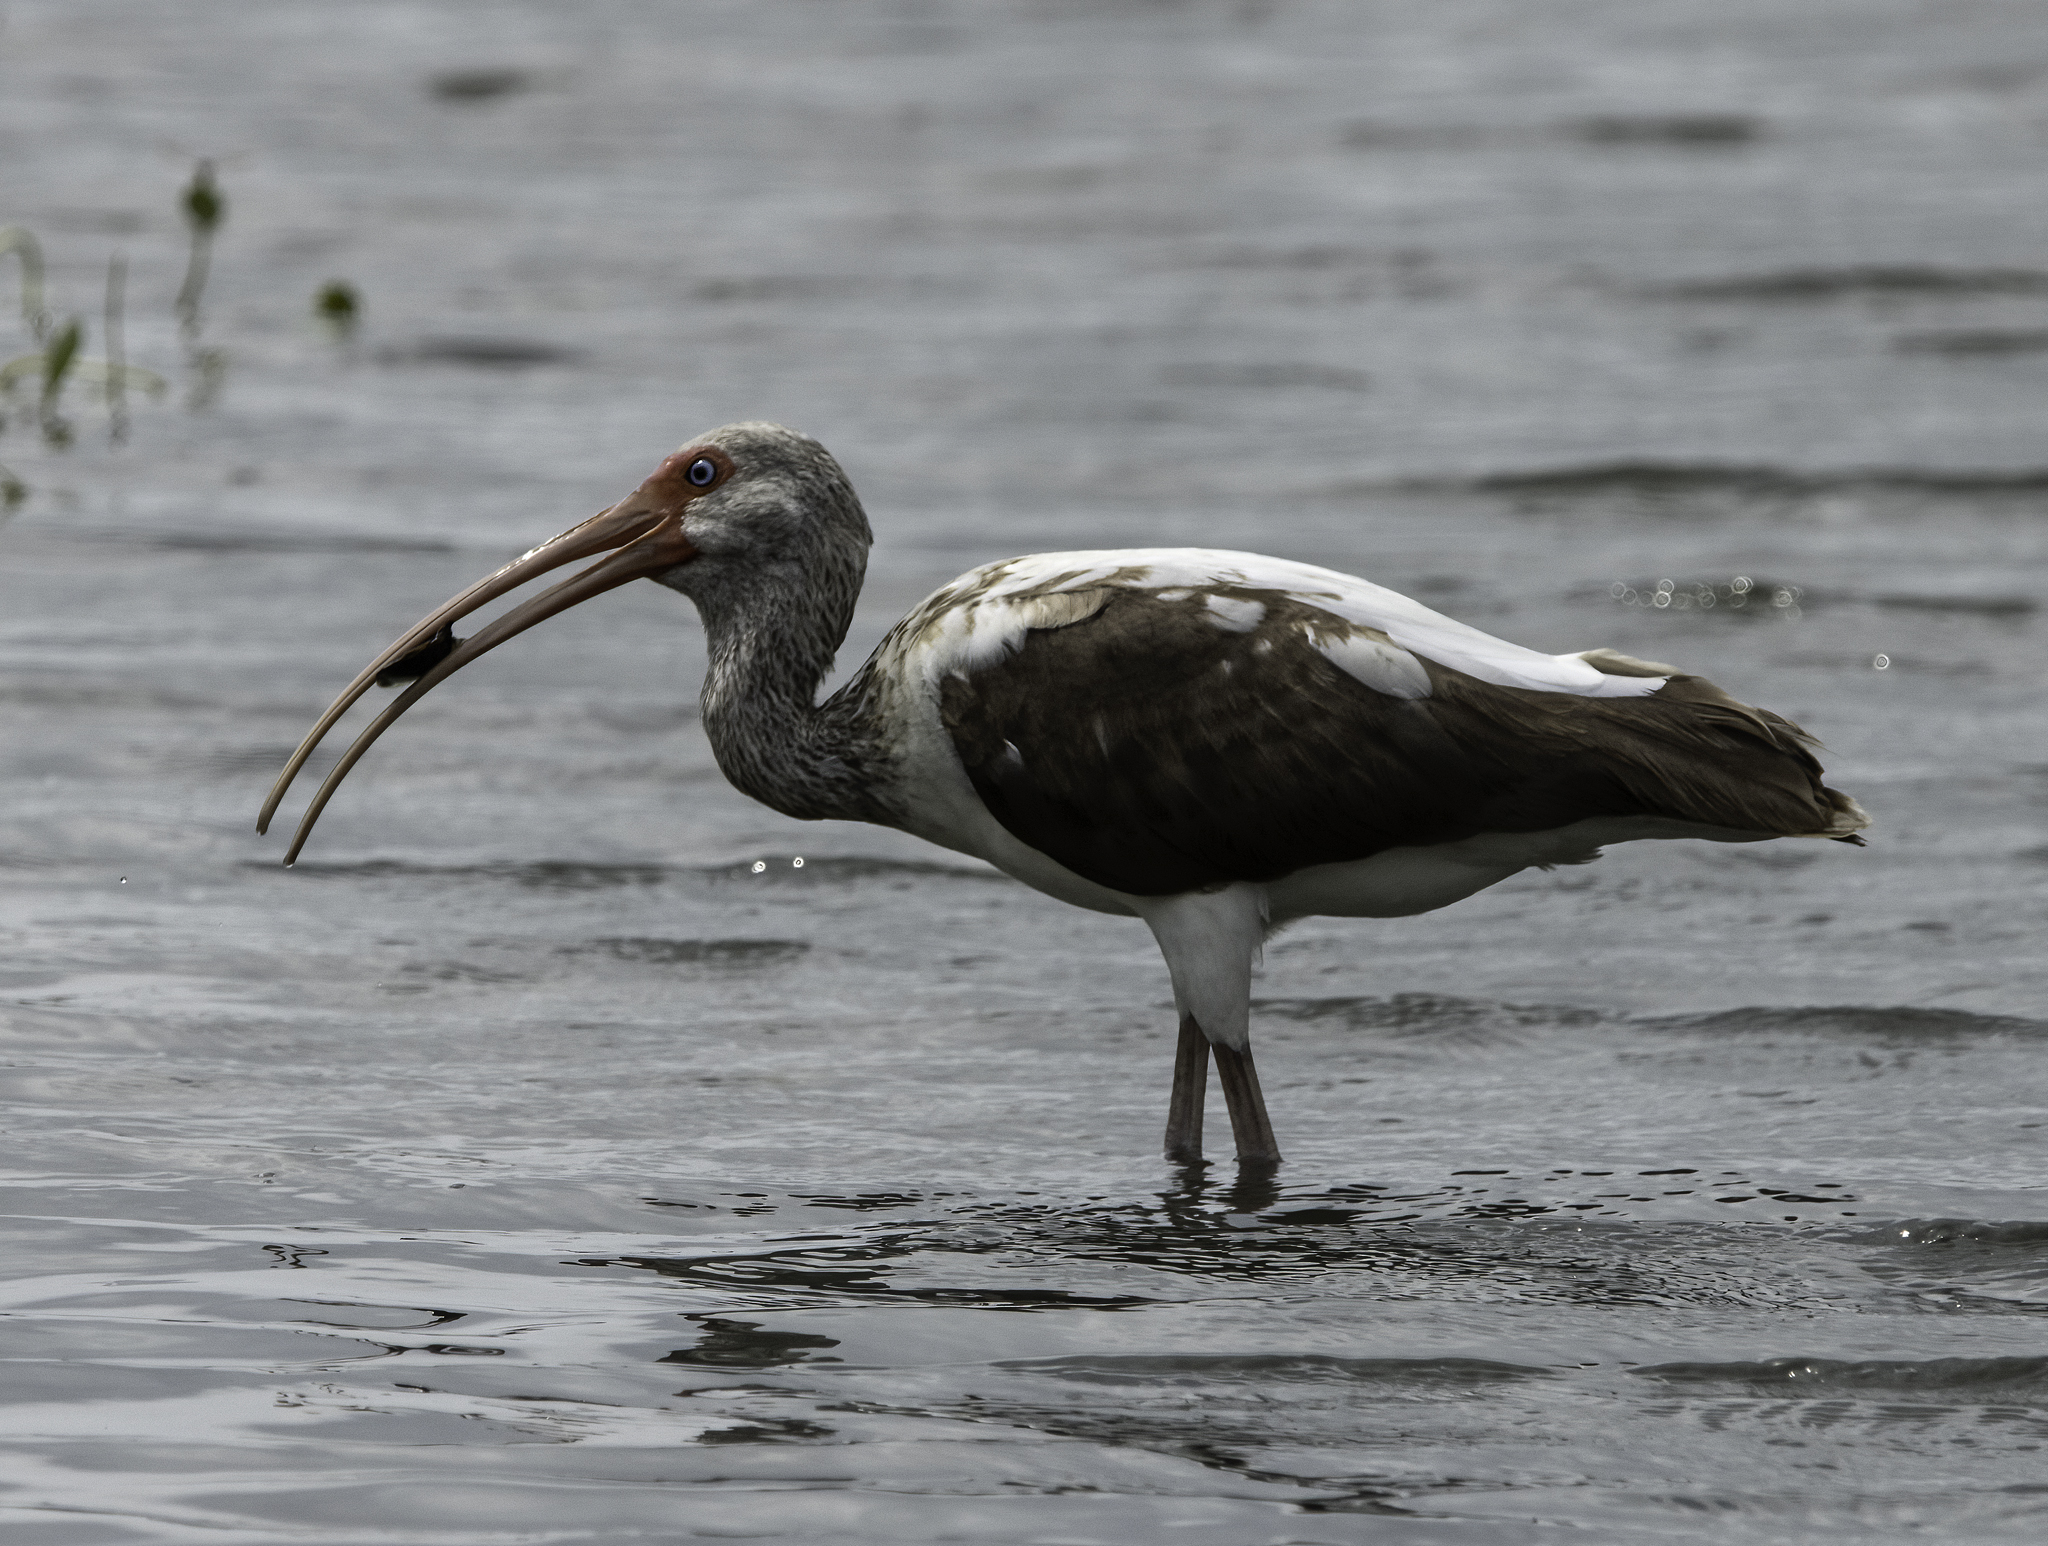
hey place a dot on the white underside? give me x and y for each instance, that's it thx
(1211, 939)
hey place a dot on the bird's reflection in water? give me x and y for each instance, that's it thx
(1210, 1225)
(1204, 1226)
(736, 1344)
(1252, 1187)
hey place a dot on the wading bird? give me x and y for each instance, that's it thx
(1214, 742)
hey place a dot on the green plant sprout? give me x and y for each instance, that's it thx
(205, 209)
(337, 304)
(27, 251)
(57, 357)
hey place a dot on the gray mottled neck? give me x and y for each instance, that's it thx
(771, 650)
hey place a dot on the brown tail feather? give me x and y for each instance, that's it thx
(1687, 751)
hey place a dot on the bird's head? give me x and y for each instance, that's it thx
(743, 508)
(760, 507)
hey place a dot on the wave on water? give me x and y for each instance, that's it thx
(1856, 279)
(1425, 1014)
(1819, 1376)
(585, 875)
(261, 540)
(1211, 1368)
(542, 875)
(1981, 606)
(1664, 131)
(1966, 342)
(846, 869)
(1649, 477)
(2022, 1232)
(1690, 131)
(1421, 1014)
(487, 353)
(1277, 375)
(695, 952)
(1897, 1022)
(1485, 1236)
(839, 1275)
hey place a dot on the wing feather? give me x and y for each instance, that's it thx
(987, 610)
(1153, 751)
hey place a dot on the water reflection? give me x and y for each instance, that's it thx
(1455, 1242)
(729, 1344)
(582, 875)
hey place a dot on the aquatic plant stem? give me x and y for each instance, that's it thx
(28, 252)
(187, 304)
(58, 358)
(117, 360)
(204, 209)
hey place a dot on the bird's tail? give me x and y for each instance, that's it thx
(1847, 818)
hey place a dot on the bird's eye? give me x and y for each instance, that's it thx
(702, 472)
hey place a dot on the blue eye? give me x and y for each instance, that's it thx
(702, 472)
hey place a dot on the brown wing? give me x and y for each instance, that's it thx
(1155, 752)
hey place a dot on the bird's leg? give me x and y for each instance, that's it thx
(1249, 1123)
(1190, 1085)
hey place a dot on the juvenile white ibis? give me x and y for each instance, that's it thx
(1215, 742)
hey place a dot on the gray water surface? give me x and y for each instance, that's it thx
(551, 1157)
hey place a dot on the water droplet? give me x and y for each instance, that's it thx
(1882, 662)
(760, 865)
(796, 864)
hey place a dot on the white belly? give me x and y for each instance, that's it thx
(1402, 881)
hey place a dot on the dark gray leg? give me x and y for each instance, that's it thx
(1190, 1084)
(1249, 1123)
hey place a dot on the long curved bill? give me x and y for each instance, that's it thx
(647, 529)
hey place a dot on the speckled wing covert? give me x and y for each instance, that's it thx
(1159, 721)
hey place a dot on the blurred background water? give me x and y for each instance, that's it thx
(550, 1157)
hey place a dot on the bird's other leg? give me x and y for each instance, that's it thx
(1190, 1086)
(1249, 1123)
